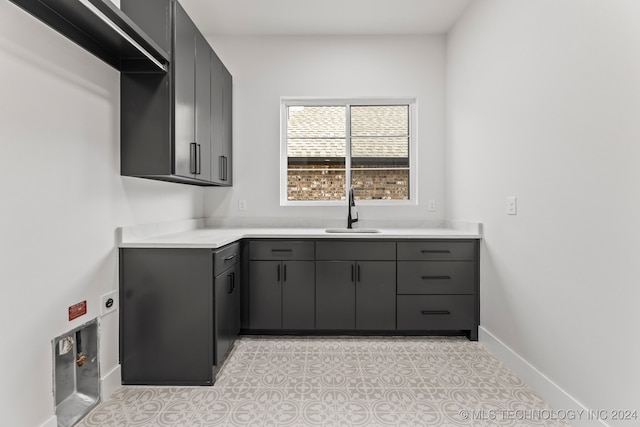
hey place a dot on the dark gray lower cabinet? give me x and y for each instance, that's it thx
(356, 285)
(179, 313)
(356, 295)
(166, 316)
(363, 286)
(281, 295)
(281, 284)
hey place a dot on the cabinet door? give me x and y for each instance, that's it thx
(223, 290)
(335, 295)
(227, 311)
(203, 109)
(265, 295)
(375, 295)
(298, 295)
(227, 125)
(234, 303)
(184, 93)
(217, 152)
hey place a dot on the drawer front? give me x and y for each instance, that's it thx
(435, 312)
(225, 257)
(436, 277)
(281, 250)
(350, 251)
(436, 251)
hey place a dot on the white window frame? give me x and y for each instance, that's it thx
(413, 148)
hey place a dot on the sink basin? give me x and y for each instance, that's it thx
(352, 230)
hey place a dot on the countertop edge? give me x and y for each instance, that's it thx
(217, 238)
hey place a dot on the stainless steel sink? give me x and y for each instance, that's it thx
(352, 230)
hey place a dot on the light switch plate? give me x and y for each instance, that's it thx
(242, 205)
(108, 303)
(431, 205)
(512, 205)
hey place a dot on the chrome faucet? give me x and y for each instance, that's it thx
(351, 205)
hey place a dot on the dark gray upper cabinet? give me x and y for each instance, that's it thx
(221, 122)
(173, 126)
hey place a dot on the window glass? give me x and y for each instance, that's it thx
(330, 148)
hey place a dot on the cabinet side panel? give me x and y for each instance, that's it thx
(145, 140)
(166, 314)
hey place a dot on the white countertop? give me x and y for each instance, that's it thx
(193, 234)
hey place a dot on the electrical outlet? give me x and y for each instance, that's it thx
(512, 205)
(431, 205)
(108, 303)
(242, 205)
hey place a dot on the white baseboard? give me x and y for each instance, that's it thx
(51, 422)
(552, 393)
(110, 383)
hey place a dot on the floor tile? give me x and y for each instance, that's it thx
(338, 381)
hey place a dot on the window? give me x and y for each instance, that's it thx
(330, 146)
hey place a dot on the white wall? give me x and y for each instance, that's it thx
(544, 104)
(267, 68)
(61, 199)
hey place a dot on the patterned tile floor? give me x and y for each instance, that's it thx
(339, 381)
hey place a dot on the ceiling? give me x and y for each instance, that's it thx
(324, 17)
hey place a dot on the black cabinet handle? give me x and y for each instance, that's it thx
(435, 251)
(229, 283)
(193, 156)
(278, 273)
(284, 273)
(352, 273)
(281, 250)
(199, 162)
(221, 167)
(436, 277)
(430, 312)
(224, 168)
(229, 258)
(358, 272)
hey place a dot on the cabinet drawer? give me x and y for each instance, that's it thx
(281, 250)
(436, 277)
(225, 257)
(436, 251)
(436, 312)
(362, 251)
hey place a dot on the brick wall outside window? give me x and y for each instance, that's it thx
(322, 183)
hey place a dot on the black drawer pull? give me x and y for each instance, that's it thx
(229, 258)
(436, 277)
(429, 312)
(281, 250)
(435, 251)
